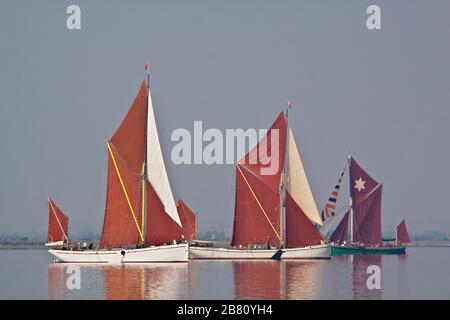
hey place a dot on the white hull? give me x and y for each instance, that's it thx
(169, 253)
(312, 252)
(87, 256)
(225, 253)
(322, 251)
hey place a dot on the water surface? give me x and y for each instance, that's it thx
(420, 274)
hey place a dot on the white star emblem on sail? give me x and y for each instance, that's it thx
(359, 184)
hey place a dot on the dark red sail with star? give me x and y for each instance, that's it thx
(366, 194)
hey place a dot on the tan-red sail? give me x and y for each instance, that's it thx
(402, 233)
(160, 227)
(366, 194)
(126, 154)
(188, 220)
(300, 232)
(267, 155)
(340, 234)
(257, 211)
(367, 216)
(58, 223)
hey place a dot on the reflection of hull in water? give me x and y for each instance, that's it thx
(169, 253)
(322, 251)
(229, 253)
(146, 281)
(56, 282)
(304, 279)
(360, 265)
(336, 250)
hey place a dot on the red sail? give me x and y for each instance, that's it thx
(58, 223)
(257, 210)
(127, 153)
(366, 195)
(188, 220)
(402, 233)
(300, 232)
(252, 224)
(367, 218)
(161, 228)
(340, 234)
(361, 184)
(130, 139)
(270, 156)
(119, 225)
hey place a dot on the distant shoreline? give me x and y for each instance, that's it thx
(23, 246)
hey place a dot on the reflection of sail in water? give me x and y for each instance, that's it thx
(360, 276)
(168, 281)
(193, 273)
(402, 276)
(303, 278)
(57, 281)
(257, 279)
(148, 281)
(124, 282)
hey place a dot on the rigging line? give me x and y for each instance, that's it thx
(125, 191)
(345, 185)
(57, 219)
(95, 193)
(233, 188)
(259, 204)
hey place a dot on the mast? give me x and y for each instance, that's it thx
(144, 164)
(396, 236)
(284, 181)
(350, 201)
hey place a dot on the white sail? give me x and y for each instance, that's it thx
(297, 182)
(156, 169)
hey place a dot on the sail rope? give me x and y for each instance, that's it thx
(125, 192)
(259, 204)
(93, 202)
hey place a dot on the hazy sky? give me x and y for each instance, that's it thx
(383, 95)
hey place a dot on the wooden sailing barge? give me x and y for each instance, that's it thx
(358, 229)
(141, 221)
(259, 201)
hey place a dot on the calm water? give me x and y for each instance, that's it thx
(422, 273)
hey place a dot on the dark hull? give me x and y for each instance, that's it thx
(338, 250)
